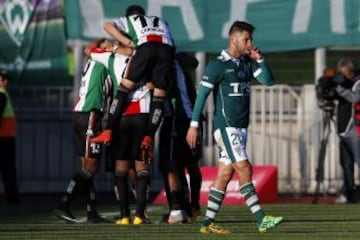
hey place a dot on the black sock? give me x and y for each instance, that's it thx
(176, 200)
(155, 115)
(117, 107)
(195, 186)
(122, 192)
(91, 198)
(77, 183)
(185, 197)
(141, 191)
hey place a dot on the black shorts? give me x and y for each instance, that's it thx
(84, 121)
(174, 151)
(127, 137)
(154, 62)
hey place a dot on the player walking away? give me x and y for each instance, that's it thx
(175, 154)
(228, 77)
(95, 94)
(153, 59)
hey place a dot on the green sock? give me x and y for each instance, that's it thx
(252, 201)
(213, 206)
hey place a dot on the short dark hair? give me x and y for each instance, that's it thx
(134, 10)
(239, 26)
(99, 42)
(187, 60)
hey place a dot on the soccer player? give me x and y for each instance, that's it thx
(96, 90)
(125, 150)
(128, 134)
(175, 154)
(153, 59)
(228, 77)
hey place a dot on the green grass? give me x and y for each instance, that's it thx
(305, 221)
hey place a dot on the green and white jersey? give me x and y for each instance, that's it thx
(229, 80)
(113, 62)
(142, 29)
(116, 64)
(96, 88)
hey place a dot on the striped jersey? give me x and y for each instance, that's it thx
(229, 80)
(96, 88)
(142, 29)
(116, 64)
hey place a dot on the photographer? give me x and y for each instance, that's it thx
(348, 91)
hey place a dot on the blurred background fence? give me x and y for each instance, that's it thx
(285, 131)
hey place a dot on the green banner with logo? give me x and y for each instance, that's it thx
(202, 25)
(33, 43)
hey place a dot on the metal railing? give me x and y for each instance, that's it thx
(285, 129)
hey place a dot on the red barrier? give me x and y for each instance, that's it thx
(264, 179)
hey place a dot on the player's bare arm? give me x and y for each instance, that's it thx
(110, 28)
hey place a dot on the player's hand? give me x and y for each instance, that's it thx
(146, 150)
(255, 53)
(192, 137)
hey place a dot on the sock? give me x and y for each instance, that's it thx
(185, 196)
(252, 201)
(195, 187)
(122, 193)
(91, 198)
(168, 194)
(77, 183)
(141, 191)
(175, 197)
(213, 205)
(155, 115)
(117, 107)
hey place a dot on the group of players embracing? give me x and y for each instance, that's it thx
(135, 83)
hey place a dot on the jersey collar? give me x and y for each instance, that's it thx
(225, 55)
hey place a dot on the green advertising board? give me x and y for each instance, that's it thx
(33, 43)
(202, 25)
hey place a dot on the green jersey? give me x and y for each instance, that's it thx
(229, 80)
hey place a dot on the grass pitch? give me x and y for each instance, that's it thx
(302, 221)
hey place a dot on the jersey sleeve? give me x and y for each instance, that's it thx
(262, 73)
(181, 86)
(121, 24)
(211, 78)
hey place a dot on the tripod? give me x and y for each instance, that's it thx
(327, 119)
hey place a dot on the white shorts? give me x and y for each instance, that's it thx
(232, 144)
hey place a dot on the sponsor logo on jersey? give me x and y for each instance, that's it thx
(152, 29)
(240, 89)
(15, 16)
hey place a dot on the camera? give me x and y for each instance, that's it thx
(326, 89)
